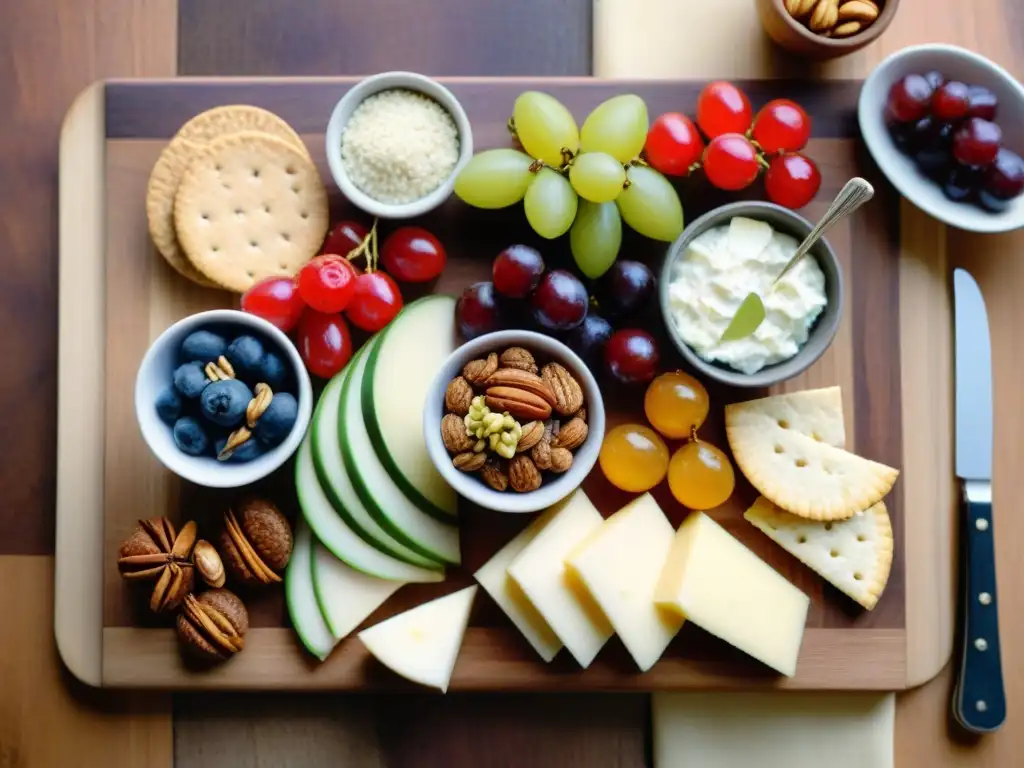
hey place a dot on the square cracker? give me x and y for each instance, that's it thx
(250, 206)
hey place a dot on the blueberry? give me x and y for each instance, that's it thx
(224, 402)
(189, 436)
(190, 379)
(277, 421)
(246, 354)
(168, 405)
(273, 371)
(204, 346)
(991, 202)
(247, 451)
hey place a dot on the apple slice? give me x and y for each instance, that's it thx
(346, 596)
(423, 643)
(299, 594)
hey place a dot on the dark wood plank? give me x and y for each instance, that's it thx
(326, 37)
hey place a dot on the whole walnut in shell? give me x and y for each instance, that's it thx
(256, 542)
(212, 626)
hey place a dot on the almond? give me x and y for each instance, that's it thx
(571, 435)
(561, 460)
(568, 392)
(523, 474)
(531, 382)
(469, 462)
(519, 403)
(494, 475)
(532, 434)
(541, 454)
(458, 396)
(453, 434)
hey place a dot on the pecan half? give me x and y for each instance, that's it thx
(476, 372)
(520, 404)
(517, 357)
(568, 392)
(529, 382)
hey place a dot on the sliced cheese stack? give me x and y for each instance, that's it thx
(619, 563)
(714, 581)
(540, 572)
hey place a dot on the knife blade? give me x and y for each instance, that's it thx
(979, 701)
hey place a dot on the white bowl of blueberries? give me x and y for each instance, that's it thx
(944, 125)
(222, 398)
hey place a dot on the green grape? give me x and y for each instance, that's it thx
(550, 204)
(597, 176)
(617, 126)
(544, 126)
(495, 178)
(650, 204)
(595, 237)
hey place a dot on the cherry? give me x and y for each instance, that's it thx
(632, 356)
(344, 237)
(730, 161)
(517, 270)
(909, 99)
(951, 101)
(375, 302)
(722, 108)
(276, 300)
(792, 180)
(324, 343)
(673, 144)
(413, 254)
(782, 125)
(327, 282)
(976, 142)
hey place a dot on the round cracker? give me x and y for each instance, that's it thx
(235, 118)
(250, 206)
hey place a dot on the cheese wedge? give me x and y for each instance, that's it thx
(714, 581)
(493, 577)
(423, 643)
(855, 554)
(619, 564)
(540, 572)
(801, 474)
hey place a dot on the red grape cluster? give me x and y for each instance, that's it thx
(330, 288)
(523, 292)
(948, 128)
(739, 145)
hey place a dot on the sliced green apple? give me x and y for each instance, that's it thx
(302, 606)
(331, 529)
(377, 489)
(345, 596)
(334, 479)
(423, 643)
(399, 373)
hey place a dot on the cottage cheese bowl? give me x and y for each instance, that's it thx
(735, 250)
(395, 143)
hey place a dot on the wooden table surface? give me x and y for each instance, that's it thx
(53, 48)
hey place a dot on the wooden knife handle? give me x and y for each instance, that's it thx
(979, 703)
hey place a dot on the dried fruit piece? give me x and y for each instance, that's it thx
(523, 474)
(494, 474)
(571, 435)
(469, 462)
(459, 396)
(519, 358)
(453, 434)
(477, 372)
(568, 392)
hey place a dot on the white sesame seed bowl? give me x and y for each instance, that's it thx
(401, 145)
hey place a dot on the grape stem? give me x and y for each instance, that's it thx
(535, 166)
(762, 161)
(367, 248)
(693, 434)
(511, 125)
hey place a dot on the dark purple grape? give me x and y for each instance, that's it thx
(625, 288)
(963, 182)
(1005, 177)
(560, 301)
(477, 310)
(981, 102)
(992, 203)
(935, 154)
(935, 78)
(516, 271)
(910, 138)
(588, 339)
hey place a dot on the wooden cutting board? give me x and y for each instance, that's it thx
(116, 296)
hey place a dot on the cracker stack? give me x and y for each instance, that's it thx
(234, 198)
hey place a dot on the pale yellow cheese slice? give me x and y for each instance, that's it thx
(714, 581)
(619, 563)
(540, 572)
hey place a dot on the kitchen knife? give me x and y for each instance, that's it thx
(979, 703)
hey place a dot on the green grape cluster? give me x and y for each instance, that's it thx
(584, 181)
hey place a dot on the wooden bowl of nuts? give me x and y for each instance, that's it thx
(514, 421)
(825, 29)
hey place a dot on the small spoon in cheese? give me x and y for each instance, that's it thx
(751, 312)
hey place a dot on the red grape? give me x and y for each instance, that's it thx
(632, 356)
(343, 237)
(276, 300)
(589, 337)
(560, 301)
(792, 180)
(730, 162)
(951, 101)
(909, 99)
(722, 108)
(413, 254)
(782, 125)
(976, 142)
(327, 282)
(477, 310)
(517, 270)
(1005, 177)
(375, 302)
(673, 144)
(981, 102)
(624, 289)
(324, 342)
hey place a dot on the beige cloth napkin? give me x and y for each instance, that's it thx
(722, 39)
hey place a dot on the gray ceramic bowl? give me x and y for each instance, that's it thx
(555, 487)
(825, 327)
